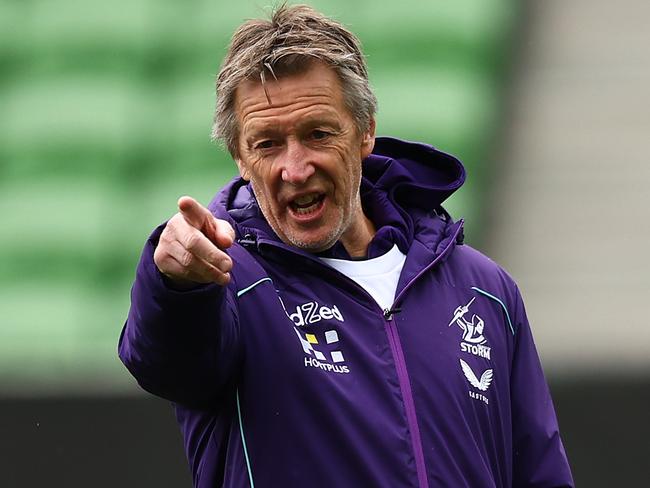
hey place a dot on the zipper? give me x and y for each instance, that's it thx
(394, 343)
(407, 398)
(389, 312)
(402, 371)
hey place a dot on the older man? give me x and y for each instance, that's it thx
(322, 323)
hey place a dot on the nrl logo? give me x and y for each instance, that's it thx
(473, 339)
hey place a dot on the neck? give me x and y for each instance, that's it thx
(357, 238)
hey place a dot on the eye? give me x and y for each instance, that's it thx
(266, 144)
(319, 134)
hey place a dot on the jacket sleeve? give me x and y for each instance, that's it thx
(539, 456)
(179, 345)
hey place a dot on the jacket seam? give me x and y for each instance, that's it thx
(500, 302)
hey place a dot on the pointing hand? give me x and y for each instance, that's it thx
(191, 247)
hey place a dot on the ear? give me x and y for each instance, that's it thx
(243, 170)
(368, 139)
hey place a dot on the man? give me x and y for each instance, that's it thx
(322, 323)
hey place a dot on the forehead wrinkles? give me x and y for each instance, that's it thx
(318, 87)
(260, 116)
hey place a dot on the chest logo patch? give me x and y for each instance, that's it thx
(473, 341)
(322, 348)
(329, 357)
(482, 384)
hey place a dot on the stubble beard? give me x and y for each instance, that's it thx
(345, 221)
(288, 236)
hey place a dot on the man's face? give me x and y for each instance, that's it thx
(302, 154)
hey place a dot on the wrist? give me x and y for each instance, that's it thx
(179, 284)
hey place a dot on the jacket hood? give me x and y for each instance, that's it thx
(403, 184)
(414, 175)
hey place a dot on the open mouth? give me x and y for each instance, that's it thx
(307, 204)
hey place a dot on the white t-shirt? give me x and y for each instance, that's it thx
(378, 276)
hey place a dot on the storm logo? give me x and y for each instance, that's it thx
(473, 339)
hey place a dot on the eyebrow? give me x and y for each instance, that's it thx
(258, 132)
(261, 133)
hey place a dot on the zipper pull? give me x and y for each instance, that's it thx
(247, 240)
(388, 313)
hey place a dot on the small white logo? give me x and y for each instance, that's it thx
(312, 312)
(472, 329)
(329, 360)
(474, 342)
(486, 378)
(329, 356)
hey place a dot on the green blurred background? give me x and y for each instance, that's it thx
(105, 114)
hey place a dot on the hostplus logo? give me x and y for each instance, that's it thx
(322, 348)
(473, 342)
(328, 356)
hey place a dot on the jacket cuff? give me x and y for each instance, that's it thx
(161, 285)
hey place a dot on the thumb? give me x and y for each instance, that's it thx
(224, 234)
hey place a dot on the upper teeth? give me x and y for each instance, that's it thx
(306, 199)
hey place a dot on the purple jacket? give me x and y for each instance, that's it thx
(292, 376)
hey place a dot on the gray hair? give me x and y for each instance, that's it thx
(288, 43)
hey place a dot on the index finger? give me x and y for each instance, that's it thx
(194, 213)
(218, 231)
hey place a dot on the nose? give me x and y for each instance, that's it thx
(297, 166)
